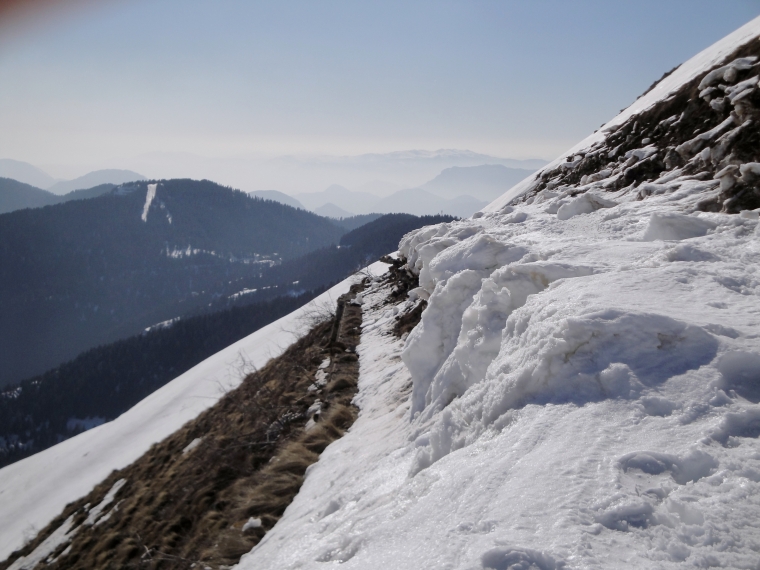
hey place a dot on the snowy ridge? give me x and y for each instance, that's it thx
(35, 490)
(582, 390)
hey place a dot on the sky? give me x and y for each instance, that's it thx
(94, 84)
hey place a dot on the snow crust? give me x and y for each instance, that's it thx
(581, 392)
(35, 490)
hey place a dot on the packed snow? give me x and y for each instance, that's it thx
(579, 393)
(35, 490)
(583, 389)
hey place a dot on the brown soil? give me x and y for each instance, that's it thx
(403, 281)
(184, 510)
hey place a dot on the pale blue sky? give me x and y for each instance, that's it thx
(107, 80)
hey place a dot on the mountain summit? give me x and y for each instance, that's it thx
(568, 379)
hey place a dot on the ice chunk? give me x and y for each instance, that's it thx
(750, 172)
(642, 153)
(509, 558)
(583, 204)
(482, 324)
(741, 373)
(655, 406)
(715, 75)
(691, 467)
(745, 423)
(192, 445)
(742, 85)
(411, 242)
(418, 293)
(252, 523)
(314, 409)
(672, 226)
(481, 252)
(637, 513)
(694, 145)
(727, 177)
(435, 337)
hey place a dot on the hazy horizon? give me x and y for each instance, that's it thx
(379, 174)
(226, 90)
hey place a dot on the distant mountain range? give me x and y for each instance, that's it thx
(95, 178)
(33, 176)
(458, 183)
(330, 210)
(341, 197)
(16, 195)
(26, 173)
(484, 182)
(377, 173)
(456, 191)
(280, 197)
(85, 272)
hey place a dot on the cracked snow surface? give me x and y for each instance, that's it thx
(583, 390)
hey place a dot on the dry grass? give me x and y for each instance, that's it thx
(178, 509)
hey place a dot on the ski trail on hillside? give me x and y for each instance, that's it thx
(148, 201)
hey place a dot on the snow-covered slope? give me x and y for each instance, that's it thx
(35, 490)
(582, 390)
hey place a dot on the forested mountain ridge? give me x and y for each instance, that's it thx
(103, 382)
(87, 272)
(15, 195)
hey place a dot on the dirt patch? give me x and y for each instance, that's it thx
(187, 501)
(402, 281)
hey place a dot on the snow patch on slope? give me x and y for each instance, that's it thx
(149, 196)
